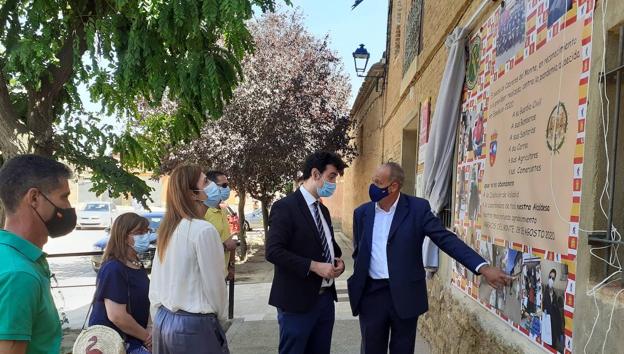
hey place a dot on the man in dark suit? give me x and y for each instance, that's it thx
(388, 288)
(301, 245)
(552, 305)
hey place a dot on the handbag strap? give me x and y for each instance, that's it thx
(84, 324)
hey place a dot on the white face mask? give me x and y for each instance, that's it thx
(551, 282)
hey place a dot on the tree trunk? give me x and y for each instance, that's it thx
(242, 235)
(265, 217)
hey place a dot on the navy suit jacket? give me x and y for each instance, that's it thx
(292, 243)
(413, 220)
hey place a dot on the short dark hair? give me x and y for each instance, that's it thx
(320, 160)
(213, 175)
(24, 172)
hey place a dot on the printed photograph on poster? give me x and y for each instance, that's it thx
(474, 192)
(557, 9)
(485, 250)
(509, 299)
(462, 193)
(419, 184)
(554, 282)
(511, 31)
(463, 146)
(530, 318)
(471, 136)
(513, 292)
(492, 254)
(470, 235)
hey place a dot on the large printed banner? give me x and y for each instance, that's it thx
(520, 159)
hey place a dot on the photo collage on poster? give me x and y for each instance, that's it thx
(539, 302)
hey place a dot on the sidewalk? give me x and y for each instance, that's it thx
(255, 329)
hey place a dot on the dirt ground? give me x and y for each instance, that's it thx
(255, 269)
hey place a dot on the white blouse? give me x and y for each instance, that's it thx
(191, 277)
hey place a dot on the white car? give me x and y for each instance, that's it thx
(254, 220)
(96, 215)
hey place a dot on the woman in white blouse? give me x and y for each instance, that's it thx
(187, 290)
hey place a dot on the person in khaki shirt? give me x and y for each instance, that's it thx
(218, 218)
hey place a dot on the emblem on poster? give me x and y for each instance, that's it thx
(557, 128)
(472, 71)
(493, 148)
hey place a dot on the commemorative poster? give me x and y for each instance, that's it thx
(520, 161)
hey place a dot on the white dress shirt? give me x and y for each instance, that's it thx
(381, 231)
(191, 277)
(310, 200)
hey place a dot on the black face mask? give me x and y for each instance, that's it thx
(63, 221)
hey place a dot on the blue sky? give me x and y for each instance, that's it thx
(346, 28)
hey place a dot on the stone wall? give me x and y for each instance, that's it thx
(449, 328)
(455, 322)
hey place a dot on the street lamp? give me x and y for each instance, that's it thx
(360, 60)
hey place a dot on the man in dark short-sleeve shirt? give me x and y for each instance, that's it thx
(34, 192)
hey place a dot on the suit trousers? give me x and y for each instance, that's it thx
(310, 332)
(379, 322)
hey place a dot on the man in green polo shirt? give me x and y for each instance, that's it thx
(34, 192)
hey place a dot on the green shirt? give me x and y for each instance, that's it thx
(27, 310)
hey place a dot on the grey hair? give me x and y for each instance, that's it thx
(397, 174)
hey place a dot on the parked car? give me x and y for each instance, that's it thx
(254, 219)
(146, 246)
(96, 215)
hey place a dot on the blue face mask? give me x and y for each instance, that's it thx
(225, 193)
(326, 190)
(213, 194)
(376, 193)
(141, 243)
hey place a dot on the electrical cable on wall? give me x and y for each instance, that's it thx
(613, 257)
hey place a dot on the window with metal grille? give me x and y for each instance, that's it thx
(413, 33)
(396, 24)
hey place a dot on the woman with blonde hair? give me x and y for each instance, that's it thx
(121, 295)
(187, 290)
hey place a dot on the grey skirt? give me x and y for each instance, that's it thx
(183, 332)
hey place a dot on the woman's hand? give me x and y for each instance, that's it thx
(148, 341)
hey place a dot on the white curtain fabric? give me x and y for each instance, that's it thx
(441, 146)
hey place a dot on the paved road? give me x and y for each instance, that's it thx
(72, 271)
(255, 329)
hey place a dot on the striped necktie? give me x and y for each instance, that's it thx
(321, 230)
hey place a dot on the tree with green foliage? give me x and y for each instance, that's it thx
(293, 101)
(124, 51)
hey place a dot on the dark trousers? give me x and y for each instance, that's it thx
(309, 332)
(379, 320)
